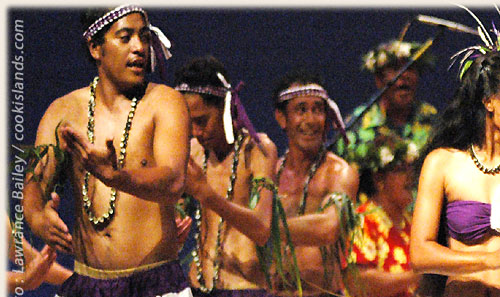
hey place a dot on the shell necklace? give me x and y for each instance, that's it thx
(87, 204)
(480, 165)
(218, 245)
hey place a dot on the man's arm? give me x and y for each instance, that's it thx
(256, 223)
(40, 211)
(326, 224)
(170, 150)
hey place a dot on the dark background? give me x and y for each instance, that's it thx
(257, 46)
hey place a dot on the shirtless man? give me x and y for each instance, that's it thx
(308, 178)
(125, 180)
(232, 268)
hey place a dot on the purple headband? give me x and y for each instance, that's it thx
(159, 44)
(232, 107)
(208, 90)
(316, 90)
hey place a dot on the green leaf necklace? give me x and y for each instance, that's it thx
(87, 204)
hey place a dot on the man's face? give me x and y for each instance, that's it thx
(399, 183)
(304, 122)
(402, 93)
(206, 121)
(124, 55)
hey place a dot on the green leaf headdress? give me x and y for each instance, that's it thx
(472, 52)
(389, 53)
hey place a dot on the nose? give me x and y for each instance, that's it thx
(138, 46)
(310, 116)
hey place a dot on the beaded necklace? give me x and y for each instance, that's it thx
(312, 171)
(218, 245)
(480, 165)
(87, 204)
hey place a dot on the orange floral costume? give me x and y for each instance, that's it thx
(382, 245)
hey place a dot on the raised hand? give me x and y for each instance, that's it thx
(100, 162)
(37, 270)
(52, 229)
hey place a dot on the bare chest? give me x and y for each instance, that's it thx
(297, 190)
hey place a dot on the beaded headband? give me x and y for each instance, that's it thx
(159, 43)
(207, 90)
(316, 90)
(232, 107)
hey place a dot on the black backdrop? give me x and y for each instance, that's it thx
(257, 45)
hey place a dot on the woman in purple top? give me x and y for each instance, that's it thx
(459, 187)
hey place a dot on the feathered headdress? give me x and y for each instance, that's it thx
(472, 52)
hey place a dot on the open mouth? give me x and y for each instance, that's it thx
(136, 65)
(309, 134)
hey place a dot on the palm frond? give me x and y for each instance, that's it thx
(272, 251)
(481, 29)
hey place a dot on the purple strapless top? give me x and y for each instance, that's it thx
(468, 220)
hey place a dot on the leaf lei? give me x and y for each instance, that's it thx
(34, 154)
(375, 145)
(271, 252)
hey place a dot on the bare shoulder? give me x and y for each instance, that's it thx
(265, 147)
(164, 102)
(442, 157)
(336, 165)
(64, 109)
(69, 103)
(341, 176)
(160, 93)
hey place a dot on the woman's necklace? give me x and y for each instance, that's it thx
(480, 165)
(312, 171)
(218, 245)
(87, 204)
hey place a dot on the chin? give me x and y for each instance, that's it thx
(310, 147)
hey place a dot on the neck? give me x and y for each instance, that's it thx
(221, 150)
(300, 160)
(384, 199)
(397, 115)
(110, 94)
(490, 149)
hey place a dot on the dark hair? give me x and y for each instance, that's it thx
(300, 75)
(201, 72)
(462, 122)
(87, 18)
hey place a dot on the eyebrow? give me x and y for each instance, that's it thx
(130, 30)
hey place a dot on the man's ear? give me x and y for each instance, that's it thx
(95, 50)
(280, 118)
